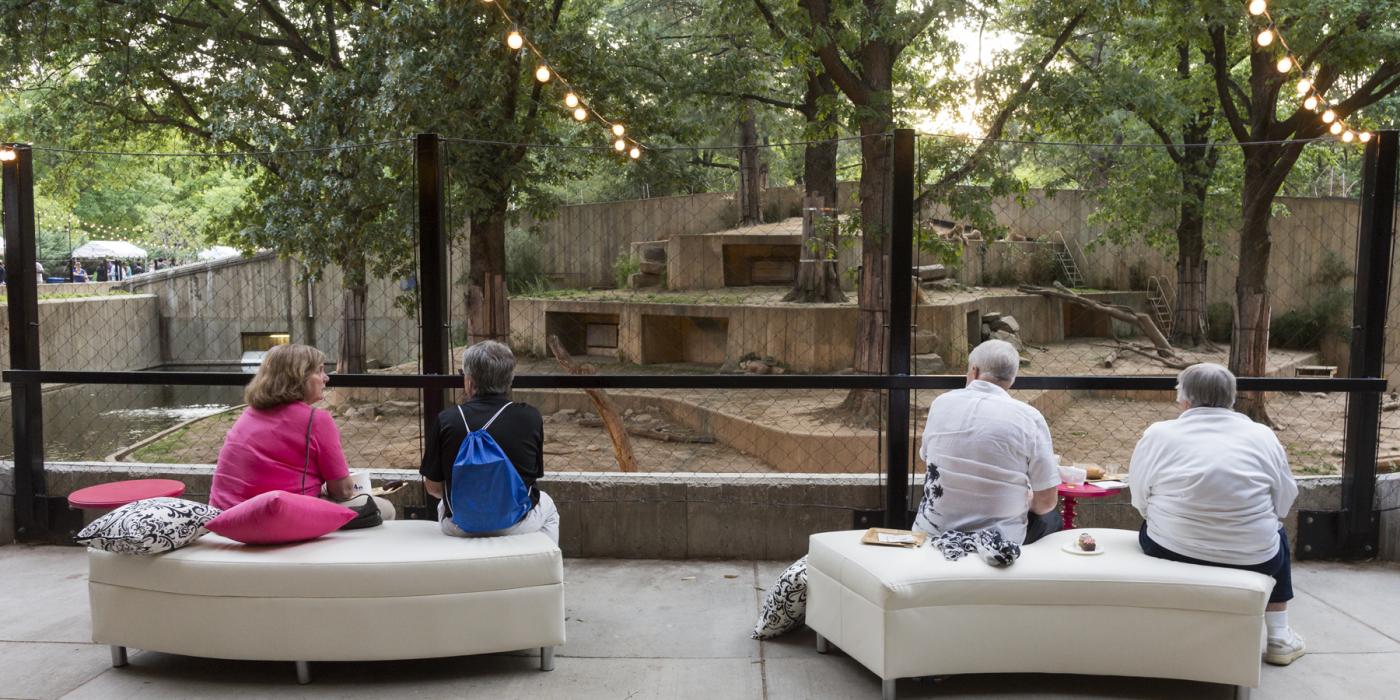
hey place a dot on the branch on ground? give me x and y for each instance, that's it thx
(612, 422)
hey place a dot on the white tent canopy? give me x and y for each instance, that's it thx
(108, 249)
(217, 252)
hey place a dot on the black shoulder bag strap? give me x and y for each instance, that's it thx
(306, 462)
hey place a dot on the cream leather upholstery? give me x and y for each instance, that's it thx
(400, 591)
(905, 613)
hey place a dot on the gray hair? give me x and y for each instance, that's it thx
(997, 359)
(1206, 385)
(491, 365)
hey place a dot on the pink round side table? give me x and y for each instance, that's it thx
(1072, 494)
(120, 493)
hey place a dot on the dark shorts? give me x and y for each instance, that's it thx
(1280, 567)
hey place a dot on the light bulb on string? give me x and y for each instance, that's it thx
(514, 40)
(1265, 37)
(1328, 117)
(1336, 128)
(1348, 136)
(1311, 103)
(617, 129)
(580, 114)
(635, 153)
(571, 100)
(542, 73)
(1304, 86)
(7, 154)
(1285, 64)
(1256, 7)
(620, 145)
(1365, 136)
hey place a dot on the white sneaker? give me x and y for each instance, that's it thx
(1284, 650)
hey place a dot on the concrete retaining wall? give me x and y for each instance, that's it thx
(700, 516)
(116, 332)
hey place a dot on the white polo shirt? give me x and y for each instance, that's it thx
(1212, 485)
(990, 452)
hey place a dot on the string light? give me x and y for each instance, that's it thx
(7, 154)
(543, 73)
(1307, 90)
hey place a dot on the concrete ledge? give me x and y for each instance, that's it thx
(699, 516)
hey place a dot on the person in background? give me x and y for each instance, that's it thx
(39, 272)
(104, 271)
(79, 274)
(282, 443)
(487, 370)
(990, 462)
(2, 272)
(1213, 487)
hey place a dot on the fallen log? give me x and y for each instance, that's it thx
(1144, 323)
(612, 422)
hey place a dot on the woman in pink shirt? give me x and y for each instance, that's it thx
(282, 443)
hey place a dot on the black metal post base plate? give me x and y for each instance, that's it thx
(1321, 535)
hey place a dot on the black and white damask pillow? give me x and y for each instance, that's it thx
(149, 526)
(785, 606)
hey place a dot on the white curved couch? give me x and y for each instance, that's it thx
(400, 591)
(904, 613)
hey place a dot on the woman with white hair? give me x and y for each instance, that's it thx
(1212, 486)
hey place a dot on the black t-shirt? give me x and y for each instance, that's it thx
(519, 431)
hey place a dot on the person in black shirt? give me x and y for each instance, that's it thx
(487, 370)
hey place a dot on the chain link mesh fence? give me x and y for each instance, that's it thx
(1070, 252)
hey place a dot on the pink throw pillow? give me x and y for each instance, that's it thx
(278, 517)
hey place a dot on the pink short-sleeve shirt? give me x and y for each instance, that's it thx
(265, 449)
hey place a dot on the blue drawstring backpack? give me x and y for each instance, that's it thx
(486, 493)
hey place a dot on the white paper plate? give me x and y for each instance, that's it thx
(1072, 549)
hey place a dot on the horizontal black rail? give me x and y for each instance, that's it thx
(696, 381)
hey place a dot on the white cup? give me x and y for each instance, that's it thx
(360, 480)
(1073, 476)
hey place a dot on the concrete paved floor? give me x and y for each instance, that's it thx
(652, 629)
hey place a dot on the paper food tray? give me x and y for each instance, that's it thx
(872, 536)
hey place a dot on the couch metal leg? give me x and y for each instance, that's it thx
(887, 689)
(1241, 692)
(822, 646)
(303, 672)
(118, 656)
(546, 658)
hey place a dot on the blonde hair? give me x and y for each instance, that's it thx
(282, 376)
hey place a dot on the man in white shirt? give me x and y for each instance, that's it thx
(1212, 486)
(989, 456)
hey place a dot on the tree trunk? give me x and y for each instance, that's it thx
(1189, 312)
(750, 171)
(352, 320)
(1249, 345)
(871, 351)
(819, 157)
(488, 305)
(818, 280)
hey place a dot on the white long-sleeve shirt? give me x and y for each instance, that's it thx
(990, 452)
(1212, 485)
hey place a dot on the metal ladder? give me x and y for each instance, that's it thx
(1065, 258)
(1160, 294)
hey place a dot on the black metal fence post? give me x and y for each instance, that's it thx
(1359, 527)
(901, 317)
(432, 270)
(17, 163)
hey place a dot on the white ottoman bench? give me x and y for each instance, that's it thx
(909, 612)
(400, 591)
